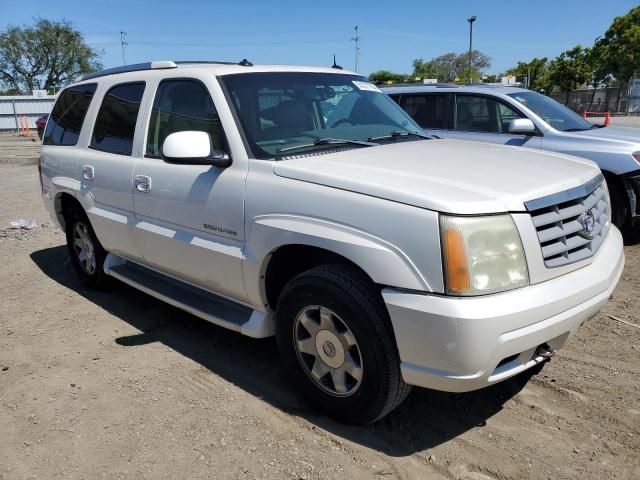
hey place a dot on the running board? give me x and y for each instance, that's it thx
(201, 303)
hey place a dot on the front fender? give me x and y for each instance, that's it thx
(383, 262)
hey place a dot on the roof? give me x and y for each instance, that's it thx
(217, 68)
(475, 88)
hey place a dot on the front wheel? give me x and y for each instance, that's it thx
(618, 205)
(336, 341)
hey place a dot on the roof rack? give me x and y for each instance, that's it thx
(136, 67)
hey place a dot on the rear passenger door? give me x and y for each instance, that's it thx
(105, 168)
(190, 218)
(484, 118)
(430, 110)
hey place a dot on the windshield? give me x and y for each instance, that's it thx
(295, 109)
(552, 112)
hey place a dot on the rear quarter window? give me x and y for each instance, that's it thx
(67, 116)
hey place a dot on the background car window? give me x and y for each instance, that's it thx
(68, 114)
(183, 105)
(116, 120)
(430, 111)
(278, 110)
(482, 114)
(505, 114)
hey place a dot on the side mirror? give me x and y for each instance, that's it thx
(522, 126)
(193, 148)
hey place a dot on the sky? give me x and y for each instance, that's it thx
(392, 34)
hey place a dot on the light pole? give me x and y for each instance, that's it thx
(470, 20)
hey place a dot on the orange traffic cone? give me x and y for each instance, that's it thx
(584, 114)
(607, 119)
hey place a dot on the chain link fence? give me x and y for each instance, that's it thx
(609, 99)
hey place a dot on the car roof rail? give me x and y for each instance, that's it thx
(161, 64)
(136, 67)
(416, 84)
(243, 63)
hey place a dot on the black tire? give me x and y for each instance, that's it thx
(358, 307)
(76, 219)
(619, 216)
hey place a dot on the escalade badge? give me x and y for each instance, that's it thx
(588, 222)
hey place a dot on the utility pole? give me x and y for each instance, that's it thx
(470, 20)
(356, 39)
(123, 44)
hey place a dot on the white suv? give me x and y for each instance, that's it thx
(304, 203)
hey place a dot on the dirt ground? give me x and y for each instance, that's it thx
(120, 385)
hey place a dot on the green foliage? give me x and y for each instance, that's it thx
(387, 77)
(46, 55)
(451, 66)
(570, 69)
(535, 70)
(619, 50)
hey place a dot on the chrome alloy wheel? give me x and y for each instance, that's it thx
(83, 246)
(328, 351)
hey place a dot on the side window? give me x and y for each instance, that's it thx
(116, 120)
(482, 114)
(67, 116)
(430, 111)
(505, 115)
(182, 105)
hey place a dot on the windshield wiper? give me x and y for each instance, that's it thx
(327, 141)
(398, 134)
(576, 129)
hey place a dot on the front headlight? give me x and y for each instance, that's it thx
(482, 255)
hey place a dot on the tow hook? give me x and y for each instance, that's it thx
(545, 351)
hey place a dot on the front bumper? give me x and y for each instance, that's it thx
(463, 344)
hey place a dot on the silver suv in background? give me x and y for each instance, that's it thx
(303, 203)
(524, 118)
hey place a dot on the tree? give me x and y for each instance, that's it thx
(621, 46)
(385, 76)
(448, 67)
(534, 71)
(570, 69)
(619, 49)
(46, 55)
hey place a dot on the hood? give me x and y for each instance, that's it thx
(616, 134)
(450, 176)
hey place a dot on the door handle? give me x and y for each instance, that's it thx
(142, 183)
(88, 172)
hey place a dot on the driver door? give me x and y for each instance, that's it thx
(486, 119)
(190, 218)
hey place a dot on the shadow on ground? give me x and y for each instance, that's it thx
(426, 419)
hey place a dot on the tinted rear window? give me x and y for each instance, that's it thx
(116, 120)
(68, 114)
(430, 111)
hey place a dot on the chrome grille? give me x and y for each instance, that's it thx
(571, 225)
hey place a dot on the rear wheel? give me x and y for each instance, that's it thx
(87, 255)
(336, 341)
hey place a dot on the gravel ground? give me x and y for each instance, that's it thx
(119, 385)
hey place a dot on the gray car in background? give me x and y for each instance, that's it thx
(519, 117)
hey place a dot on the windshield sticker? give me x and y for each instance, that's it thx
(369, 87)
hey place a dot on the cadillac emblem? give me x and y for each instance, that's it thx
(588, 222)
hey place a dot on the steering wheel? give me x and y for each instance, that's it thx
(341, 121)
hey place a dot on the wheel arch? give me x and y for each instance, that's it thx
(280, 245)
